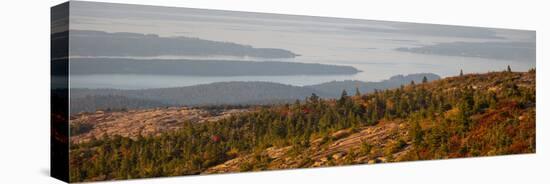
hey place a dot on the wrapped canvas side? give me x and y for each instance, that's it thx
(59, 117)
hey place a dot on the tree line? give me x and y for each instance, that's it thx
(442, 118)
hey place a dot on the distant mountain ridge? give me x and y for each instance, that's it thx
(225, 93)
(333, 89)
(91, 103)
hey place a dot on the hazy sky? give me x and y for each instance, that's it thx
(367, 45)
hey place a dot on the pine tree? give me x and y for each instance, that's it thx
(343, 98)
(357, 93)
(424, 79)
(374, 116)
(461, 73)
(415, 132)
(344, 94)
(314, 98)
(509, 69)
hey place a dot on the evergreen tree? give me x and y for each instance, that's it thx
(343, 98)
(314, 98)
(424, 79)
(357, 93)
(415, 133)
(509, 69)
(461, 73)
(344, 94)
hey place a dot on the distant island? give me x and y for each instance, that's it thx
(87, 66)
(519, 51)
(99, 43)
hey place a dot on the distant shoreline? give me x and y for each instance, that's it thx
(89, 66)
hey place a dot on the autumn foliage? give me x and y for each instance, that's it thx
(464, 116)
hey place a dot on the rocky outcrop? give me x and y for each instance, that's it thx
(148, 122)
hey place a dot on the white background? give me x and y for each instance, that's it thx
(24, 90)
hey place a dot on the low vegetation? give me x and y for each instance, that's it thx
(464, 116)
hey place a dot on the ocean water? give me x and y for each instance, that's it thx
(364, 44)
(441, 65)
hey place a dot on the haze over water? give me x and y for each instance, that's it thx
(369, 46)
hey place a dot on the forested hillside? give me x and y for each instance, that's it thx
(334, 88)
(221, 93)
(463, 116)
(92, 103)
(240, 93)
